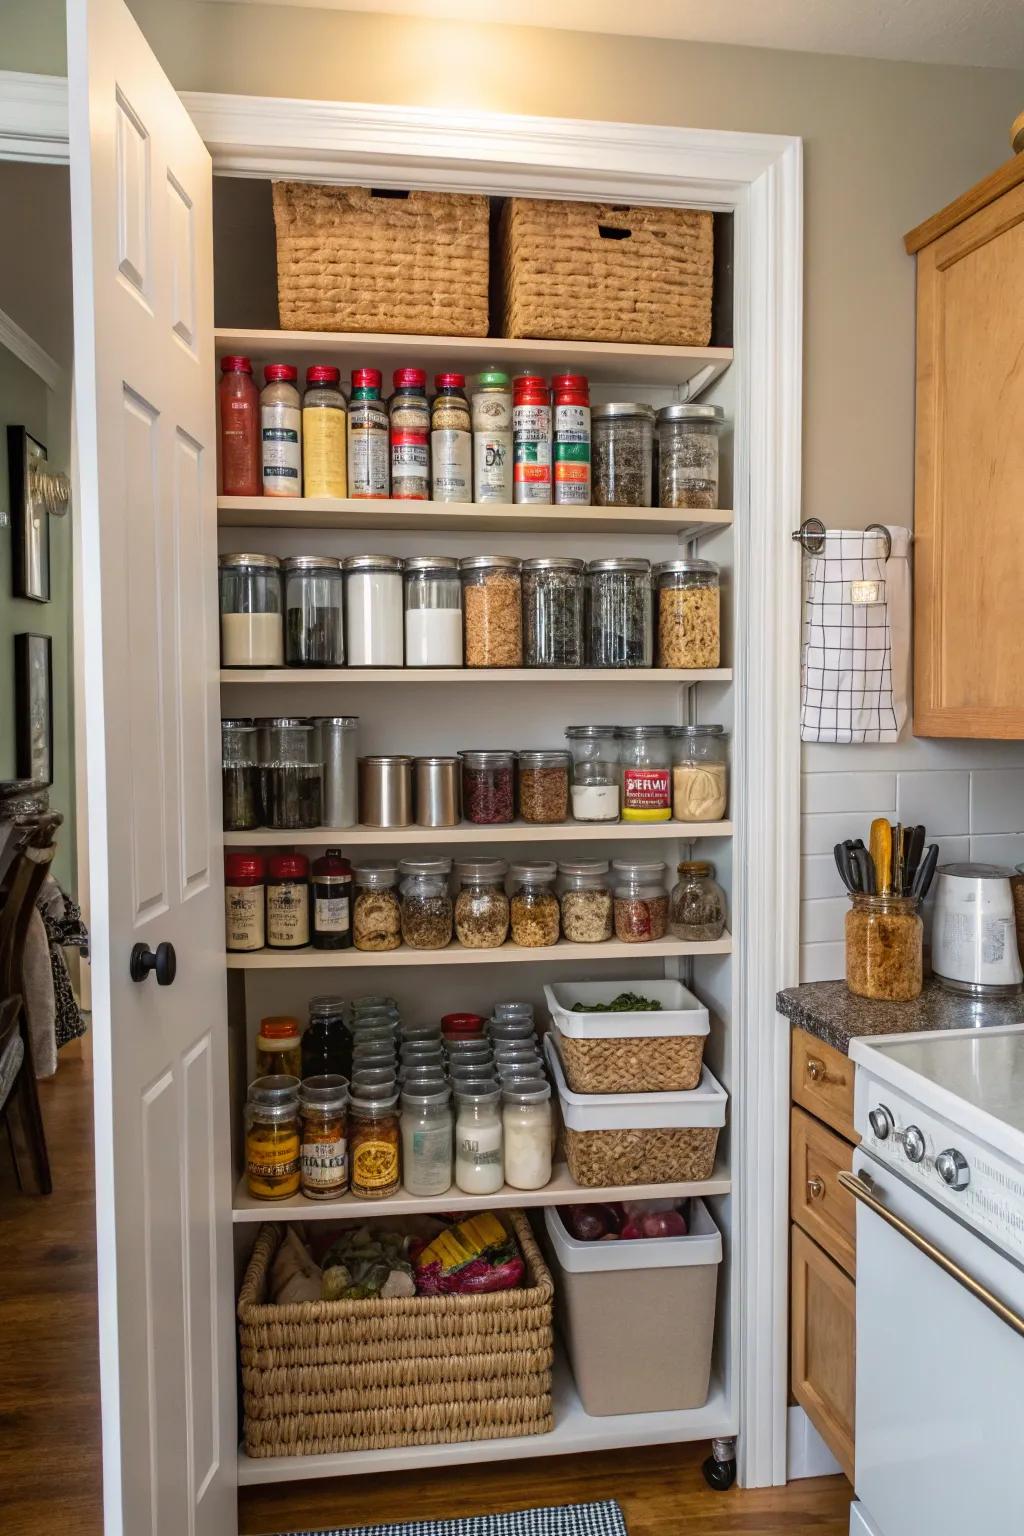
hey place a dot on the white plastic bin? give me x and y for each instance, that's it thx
(656, 1052)
(638, 1317)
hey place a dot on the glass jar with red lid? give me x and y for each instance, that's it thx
(367, 437)
(238, 401)
(281, 431)
(245, 878)
(324, 434)
(462, 1026)
(451, 440)
(409, 416)
(571, 433)
(531, 439)
(288, 901)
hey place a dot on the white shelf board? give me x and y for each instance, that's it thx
(574, 1431)
(415, 676)
(507, 954)
(604, 362)
(468, 832)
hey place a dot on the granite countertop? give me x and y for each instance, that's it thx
(827, 1010)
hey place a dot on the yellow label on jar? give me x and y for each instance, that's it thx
(375, 1164)
(324, 468)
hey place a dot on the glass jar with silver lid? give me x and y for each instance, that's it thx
(433, 612)
(688, 438)
(553, 611)
(251, 623)
(373, 603)
(314, 627)
(620, 627)
(623, 450)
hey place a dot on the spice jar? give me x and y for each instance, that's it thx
(373, 610)
(688, 455)
(544, 786)
(367, 438)
(245, 876)
(337, 754)
(481, 907)
(451, 440)
(409, 418)
(646, 756)
(689, 623)
(426, 904)
(326, 1042)
(314, 631)
(324, 434)
(376, 911)
(533, 909)
(884, 942)
(553, 611)
(595, 772)
(586, 901)
(572, 439)
(697, 904)
(251, 626)
(433, 612)
(488, 779)
(238, 402)
(528, 1133)
(620, 630)
(623, 454)
(290, 775)
(492, 438)
(531, 440)
(240, 776)
(281, 431)
(427, 1124)
(272, 1158)
(374, 1144)
(492, 610)
(641, 901)
(479, 1140)
(331, 904)
(385, 791)
(323, 1114)
(279, 1047)
(288, 901)
(700, 777)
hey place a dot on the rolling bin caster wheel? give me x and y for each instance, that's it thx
(720, 1468)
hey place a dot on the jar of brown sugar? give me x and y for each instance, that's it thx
(884, 939)
(492, 610)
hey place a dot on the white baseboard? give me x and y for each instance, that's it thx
(807, 1454)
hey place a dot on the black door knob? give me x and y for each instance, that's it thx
(143, 960)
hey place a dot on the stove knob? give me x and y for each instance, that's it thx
(952, 1168)
(882, 1122)
(913, 1143)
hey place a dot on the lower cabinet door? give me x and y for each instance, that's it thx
(823, 1344)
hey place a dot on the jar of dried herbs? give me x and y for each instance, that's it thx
(376, 910)
(481, 907)
(697, 905)
(374, 1144)
(544, 786)
(553, 611)
(620, 630)
(240, 776)
(488, 786)
(323, 1112)
(641, 901)
(689, 621)
(587, 916)
(426, 905)
(272, 1155)
(623, 449)
(688, 455)
(533, 909)
(700, 774)
(492, 597)
(884, 942)
(314, 631)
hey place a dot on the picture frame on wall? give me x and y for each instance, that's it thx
(33, 707)
(30, 520)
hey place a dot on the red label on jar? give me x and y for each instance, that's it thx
(646, 789)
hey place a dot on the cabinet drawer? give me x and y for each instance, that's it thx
(823, 1344)
(817, 1202)
(822, 1082)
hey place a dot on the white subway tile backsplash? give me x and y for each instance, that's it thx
(831, 792)
(819, 877)
(940, 800)
(997, 800)
(998, 848)
(822, 922)
(822, 962)
(821, 833)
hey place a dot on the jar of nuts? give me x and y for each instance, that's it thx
(689, 622)
(586, 901)
(492, 610)
(534, 909)
(544, 786)
(481, 907)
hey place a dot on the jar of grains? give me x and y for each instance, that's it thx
(323, 1110)
(533, 910)
(641, 901)
(272, 1155)
(697, 904)
(488, 786)
(481, 907)
(492, 608)
(620, 630)
(426, 904)
(884, 941)
(279, 1047)
(251, 624)
(409, 419)
(595, 772)
(688, 455)
(433, 612)
(623, 451)
(689, 623)
(373, 604)
(376, 910)
(427, 1125)
(314, 631)
(553, 611)
(374, 1143)
(544, 786)
(700, 775)
(586, 901)
(646, 756)
(451, 440)
(240, 776)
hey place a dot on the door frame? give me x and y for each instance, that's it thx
(758, 177)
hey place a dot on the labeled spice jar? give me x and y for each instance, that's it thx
(331, 901)
(620, 630)
(279, 1047)
(491, 411)
(544, 786)
(531, 440)
(374, 1145)
(323, 1116)
(689, 619)
(238, 402)
(373, 611)
(688, 455)
(587, 916)
(326, 1042)
(287, 901)
(251, 624)
(623, 454)
(481, 906)
(533, 908)
(641, 901)
(337, 754)
(697, 903)
(409, 419)
(595, 785)
(314, 627)
(272, 1155)
(884, 944)
(281, 431)
(376, 910)
(492, 610)
(427, 1125)
(245, 885)
(240, 776)
(426, 905)
(488, 786)
(645, 753)
(385, 791)
(571, 439)
(433, 612)
(700, 775)
(554, 590)
(479, 1139)
(451, 440)
(367, 437)
(527, 1130)
(324, 434)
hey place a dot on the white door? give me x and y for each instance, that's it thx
(141, 188)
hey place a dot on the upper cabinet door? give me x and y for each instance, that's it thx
(969, 495)
(141, 186)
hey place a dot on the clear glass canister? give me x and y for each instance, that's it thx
(376, 910)
(479, 1151)
(533, 909)
(314, 627)
(646, 756)
(700, 774)
(272, 1143)
(374, 628)
(641, 901)
(492, 610)
(323, 1111)
(488, 786)
(884, 943)
(553, 611)
(623, 449)
(426, 903)
(324, 434)
(595, 772)
(240, 776)
(427, 1150)
(433, 612)
(620, 630)
(587, 916)
(544, 786)
(290, 774)
(688, 455)
(337, 753)
(409, 416)
(689, 614)
(528, 1132)
(251, 622)
(481, 907)
(697, 903)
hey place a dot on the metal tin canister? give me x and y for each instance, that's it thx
(385, 791)
(438, 800)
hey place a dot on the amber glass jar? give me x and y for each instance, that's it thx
(374, 1144)
(323, 1110)
(884, 937)
(279, 1047)
(272, 1138)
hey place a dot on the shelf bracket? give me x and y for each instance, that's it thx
(697, 384)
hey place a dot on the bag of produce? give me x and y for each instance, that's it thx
(476, 1256)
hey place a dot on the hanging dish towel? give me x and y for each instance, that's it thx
(856, 638)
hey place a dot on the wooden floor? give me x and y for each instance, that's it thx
(49, 1405)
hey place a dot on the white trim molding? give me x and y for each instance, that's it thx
(29, 352)
(33, 117)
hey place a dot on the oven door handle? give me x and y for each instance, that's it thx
(862, 1192)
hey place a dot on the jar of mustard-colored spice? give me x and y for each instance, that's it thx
(272, 1156)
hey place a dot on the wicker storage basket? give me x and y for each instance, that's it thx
(597, 272)
(650, 1155)
(668, 1065)
(332, 1376)
(349, 259)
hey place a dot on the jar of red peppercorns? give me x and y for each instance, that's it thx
(488, 786)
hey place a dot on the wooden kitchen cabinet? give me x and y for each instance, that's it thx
(823, 1344)
(818, 1202)
(822, 1082)
(969, 463)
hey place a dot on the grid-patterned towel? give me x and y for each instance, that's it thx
(598, 1519)
(856, 638)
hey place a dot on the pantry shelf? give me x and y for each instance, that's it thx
(507, 954)
(413, 676)
(467, 832)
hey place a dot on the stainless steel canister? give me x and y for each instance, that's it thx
(438, 801)
(385, 791)
(338, 755)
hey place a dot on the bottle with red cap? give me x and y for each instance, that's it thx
(238, 400)
(451, 439)
(572, 440)
(281, 431)
(245, 877)
(531, 440)
(367, 437)
(288, 901)
(409, 415)
(324, 468)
